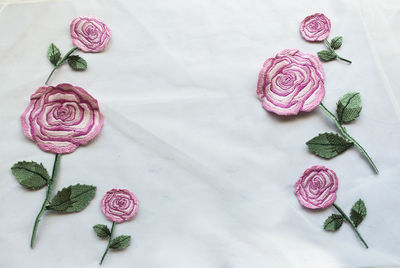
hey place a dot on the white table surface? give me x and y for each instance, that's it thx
(185, 132)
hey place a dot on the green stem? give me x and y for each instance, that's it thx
(50, 187)
(328, 45)
(109, 242)
(61, 62)
(351, 223)
(345, 134)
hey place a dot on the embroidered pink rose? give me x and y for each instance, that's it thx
(291, 82)
(317, 187)
(315, 28)
(60, 118)
(119, 205)
(89, 34)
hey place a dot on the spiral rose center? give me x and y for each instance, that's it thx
(316, 185)
(91, 31)
(314, 26)
(285, 81)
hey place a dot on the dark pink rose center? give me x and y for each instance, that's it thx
(315, 26)
(121, 203)
(285, 81)
(316, 184)
(91, 31)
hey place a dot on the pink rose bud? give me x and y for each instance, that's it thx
(315, 28)
(89, 34)
(60, 118)
(291, 82)
(119, 205)
(317, 187)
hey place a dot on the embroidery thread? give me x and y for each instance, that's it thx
(316, 189)
(293, 82)
(89, 34)
(118, 205)
(316, 28)
(58, 119)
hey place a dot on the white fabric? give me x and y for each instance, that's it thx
(214, 173)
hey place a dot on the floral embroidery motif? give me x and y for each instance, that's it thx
(119, 205)
(291, 82)
(60, 118)
(315, 28)
(89, 34)
(317, 187)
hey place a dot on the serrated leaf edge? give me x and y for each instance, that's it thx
(126, 237)
(340, 117)
(49, 206)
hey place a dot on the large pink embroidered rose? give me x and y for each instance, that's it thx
(89, 34)
(315, 28)
(60, 118)
(317, 187)
(291, 82)
(119, 205)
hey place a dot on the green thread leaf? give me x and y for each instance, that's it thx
(53, 54)
(120, 242)
(326, 55)
(328, 145)
(77, 63)
(358, 212)
(31, 175)
(73, 198)
(336, 42)
(349, 107)
(333, 222)
(102, 230)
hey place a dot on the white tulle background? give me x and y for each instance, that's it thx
(184, 131)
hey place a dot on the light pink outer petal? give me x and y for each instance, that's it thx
(302, 195)
(113, 218)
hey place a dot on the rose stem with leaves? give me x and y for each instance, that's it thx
(328, 45)
(61, 62)
(47, 199)
(109, 242)
(345, 134)
(351, 223)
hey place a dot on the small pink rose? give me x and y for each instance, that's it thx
(89, 34)
(119, 205)
(60, 118)
(317, 187)
(291, 82)
(315, 28)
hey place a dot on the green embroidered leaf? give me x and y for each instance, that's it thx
(336, 42)
(102, 230)
(358, 212)
(74, 198)
(53, 54)
(326, 55)
(349, 107)
(31, 175)
(120, 242)
(328, 145)
(77, 63)
(333, 222)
